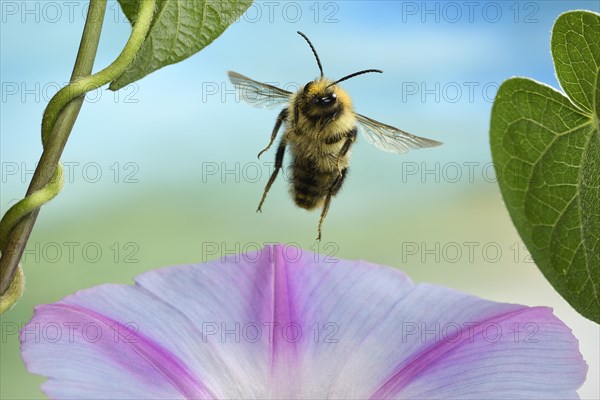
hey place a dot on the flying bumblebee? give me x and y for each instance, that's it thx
(320, 128)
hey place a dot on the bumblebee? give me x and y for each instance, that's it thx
(320, 129)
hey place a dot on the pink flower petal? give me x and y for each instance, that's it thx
(286, 323)
(526, 353)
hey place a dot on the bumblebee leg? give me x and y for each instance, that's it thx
(335, 187)
(328, 121)
(296, 114)
(280, 118)
(350, 138)
(278, 164)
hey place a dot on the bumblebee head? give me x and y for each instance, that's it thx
(322, 97)
(323, 93)
(320, 93)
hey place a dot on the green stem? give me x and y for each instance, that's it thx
(31, 202)
(15, 229)
(59, 118)
(83, 85)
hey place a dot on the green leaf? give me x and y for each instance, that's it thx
(180, 29)
(576, 51)
(546, 152)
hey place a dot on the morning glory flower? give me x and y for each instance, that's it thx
(284, 323)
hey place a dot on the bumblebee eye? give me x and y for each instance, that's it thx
(306, 87)
(327, 100)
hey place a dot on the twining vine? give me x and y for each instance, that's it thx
(13, 237)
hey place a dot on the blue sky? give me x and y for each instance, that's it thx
(459, 51)
(442, 62)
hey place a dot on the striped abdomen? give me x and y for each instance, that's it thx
(310, 184)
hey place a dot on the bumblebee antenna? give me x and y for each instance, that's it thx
(313, 50)
(366, 71)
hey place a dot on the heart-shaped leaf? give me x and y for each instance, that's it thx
(180, 29)
(546, 151)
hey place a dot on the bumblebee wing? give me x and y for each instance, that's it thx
(391, 139)
(258, 94)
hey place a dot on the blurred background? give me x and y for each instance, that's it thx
(165, 172)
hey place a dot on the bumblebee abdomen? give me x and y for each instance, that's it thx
(310, 184)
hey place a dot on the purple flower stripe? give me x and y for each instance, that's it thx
(161, 360)
(282, 353)
(420, 363)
